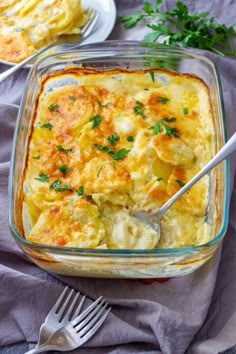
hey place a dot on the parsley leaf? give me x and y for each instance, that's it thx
(180, 183)
(130, 21)
(96, 120)
(104, 148)
(162, 126)
(185, 110)
(113, 138)
(42, 177)
(138, 109)
(99, 170)
(56, 185)
(60, 148)
(120, 154)
(162, 100)
(159, 179)
(102, 105)
(116, 155)
(88, 197)
(36, 157)
(80, 191)
(72, 98)
(152, 74)
(177, 27)
(49, 126)
(130, 138)
(53, 107)
(64, 168)
(18, 29)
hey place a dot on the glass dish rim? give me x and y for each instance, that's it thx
(117, 46)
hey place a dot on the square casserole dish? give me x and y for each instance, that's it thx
(119, 263)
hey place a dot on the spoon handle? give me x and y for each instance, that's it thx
(226, 150)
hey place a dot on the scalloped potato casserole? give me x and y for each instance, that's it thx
(27, 25)
(108, 143)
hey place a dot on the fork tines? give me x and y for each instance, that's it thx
(90, 320)
(65, 308)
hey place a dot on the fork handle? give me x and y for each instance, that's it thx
(224, 152)
(41, 349)
(20, 65)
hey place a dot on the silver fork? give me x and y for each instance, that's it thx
(78, 331)
(59, 316)
(69, 42)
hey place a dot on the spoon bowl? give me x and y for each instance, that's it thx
(153, 220)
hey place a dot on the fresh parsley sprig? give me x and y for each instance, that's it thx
(48, 126)
(57, 186)
(180, 183)
(162, 125)
(116, 155)
(138, 109)
(64, 168)
(113, 138)
(178, 27)
(96, 120)
(61, 148)
(42, 177)
(162, 100)
(120, 154)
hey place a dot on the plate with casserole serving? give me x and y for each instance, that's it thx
(26, 26)
(109, 130)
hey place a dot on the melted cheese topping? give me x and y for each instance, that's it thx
(27, 25)
(112, 144)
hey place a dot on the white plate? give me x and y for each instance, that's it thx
(105, 23)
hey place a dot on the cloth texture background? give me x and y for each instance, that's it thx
(193, 314)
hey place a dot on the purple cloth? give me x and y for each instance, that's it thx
(194, 314)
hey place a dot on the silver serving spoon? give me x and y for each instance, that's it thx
(67, 41)
(153, 220)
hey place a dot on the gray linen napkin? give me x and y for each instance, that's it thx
(194, 314)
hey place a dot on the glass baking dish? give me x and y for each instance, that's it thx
(127, 263)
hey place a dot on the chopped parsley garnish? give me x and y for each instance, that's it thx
(88, 197)
(42, 177)
(138, 109)
(152, 74)
(102, 105)
(49, 126)
(162, 126)
(19, 29)
(113, 138)
(180, 183)
(104, 148)
(64, 168)
(130, 138)
(36, 157)
(146, 89)
(116, 155)
(60, 148)
(99, 170)
(53, 107)
(80, 191)
(185, 110)
(56, 185)
(120, 154)
(72, 98)
(113, 164)
(162, 100)
(96, 120)
(159, 179)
